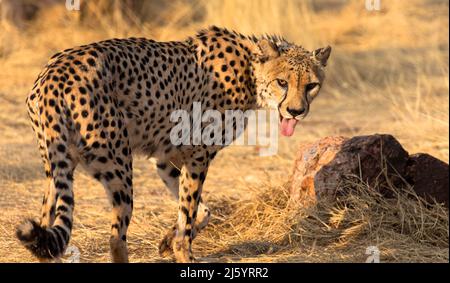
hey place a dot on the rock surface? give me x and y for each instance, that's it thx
(311, 159)
(429, 177)
(323, 166)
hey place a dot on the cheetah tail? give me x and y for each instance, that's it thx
(48, 238)
(43, 243)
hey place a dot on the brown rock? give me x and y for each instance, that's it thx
(363, 157)
(323, 166)
(311, 158)
(429, 177)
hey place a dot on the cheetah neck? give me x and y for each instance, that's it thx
(231, 60)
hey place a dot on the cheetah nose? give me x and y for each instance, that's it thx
(296, 112)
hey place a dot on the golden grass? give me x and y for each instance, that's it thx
(388, 73)
(403, 228)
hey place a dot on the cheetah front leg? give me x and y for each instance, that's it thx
(192, 176)
(169, 173)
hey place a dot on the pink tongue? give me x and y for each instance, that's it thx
(288, 126)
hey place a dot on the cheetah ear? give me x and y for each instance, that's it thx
(322, 55)
(268, 50)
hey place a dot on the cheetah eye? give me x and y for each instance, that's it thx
(311, 86)
(282, 83)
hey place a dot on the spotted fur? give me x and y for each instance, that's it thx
(100, 104)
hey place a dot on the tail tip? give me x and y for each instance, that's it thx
(28, 232)
(37, 240)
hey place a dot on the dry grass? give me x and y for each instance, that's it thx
(388, 73)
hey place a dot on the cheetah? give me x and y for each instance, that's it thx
(100, 104)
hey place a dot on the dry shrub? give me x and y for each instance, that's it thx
(364, 217)
(404, 228)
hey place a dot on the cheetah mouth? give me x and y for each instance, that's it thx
(287, 126)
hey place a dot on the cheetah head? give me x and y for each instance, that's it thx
(288, 78)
